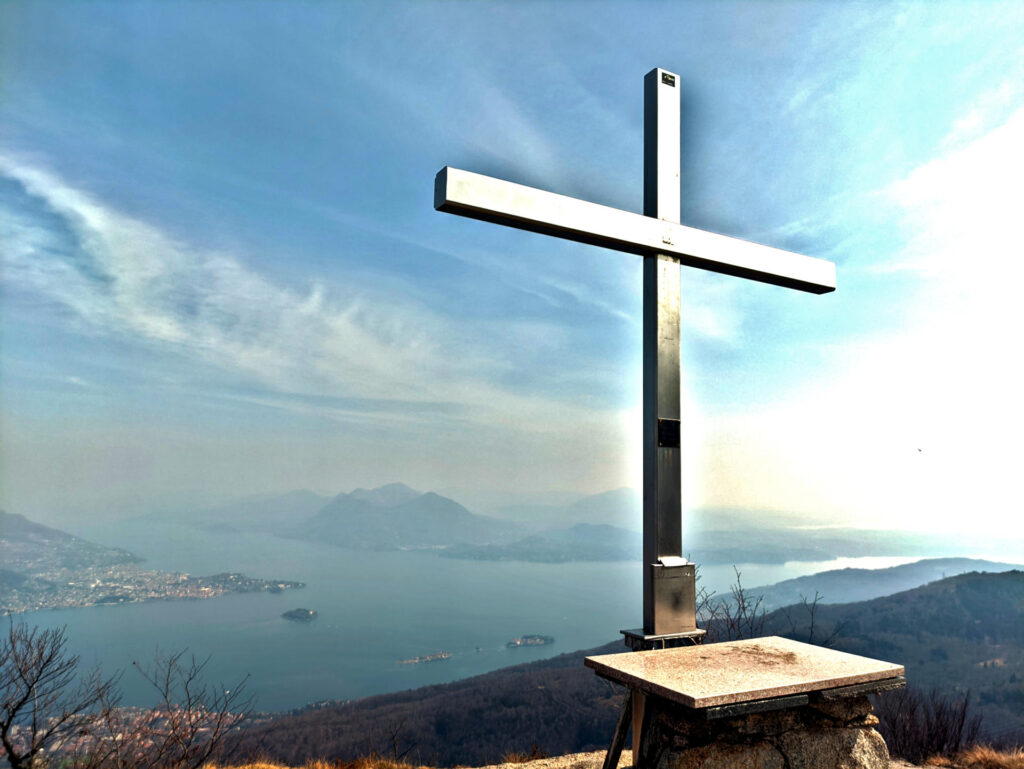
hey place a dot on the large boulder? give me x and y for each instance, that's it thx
(827, 735)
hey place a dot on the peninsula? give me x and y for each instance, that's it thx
(45, 568)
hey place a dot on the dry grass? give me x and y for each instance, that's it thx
(521, 757)
(984, 757)
(981, 757)
(976, 757)
(359, 763)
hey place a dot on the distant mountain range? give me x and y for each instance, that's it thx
(754, 544)
(389, 517)
(396, 517)
(602, 527)
(270, 513)
(621, 508)
(29, 548)
(582, 542)
(850, 585)
(963, 632)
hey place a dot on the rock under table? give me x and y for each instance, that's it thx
(764, 702)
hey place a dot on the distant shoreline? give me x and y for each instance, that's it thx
(123, 584)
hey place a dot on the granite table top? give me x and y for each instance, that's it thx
(739, 671)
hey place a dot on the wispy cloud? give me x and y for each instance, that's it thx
(122, 276)
(496, 127)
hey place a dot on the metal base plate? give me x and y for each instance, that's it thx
(639, 641)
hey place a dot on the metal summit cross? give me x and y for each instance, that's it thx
(669, 610)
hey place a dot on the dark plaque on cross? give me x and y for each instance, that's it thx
(669, 600)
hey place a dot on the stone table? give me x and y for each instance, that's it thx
(764, 702)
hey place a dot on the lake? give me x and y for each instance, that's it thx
(374, 610)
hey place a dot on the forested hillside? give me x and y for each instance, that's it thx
(556, 704)
(850, 585)
(958, 633)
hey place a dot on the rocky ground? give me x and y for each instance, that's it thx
(595, 760)
(973, 758)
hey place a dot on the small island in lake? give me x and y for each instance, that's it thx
(426, 658)
(530, 640)
(300, 615)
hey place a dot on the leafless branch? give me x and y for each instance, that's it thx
(44, 703)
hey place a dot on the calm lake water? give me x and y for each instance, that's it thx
(374, 609)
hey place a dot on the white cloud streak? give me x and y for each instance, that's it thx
(122, 276)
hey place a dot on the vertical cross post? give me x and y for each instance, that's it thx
(669, 583)
(669, 601)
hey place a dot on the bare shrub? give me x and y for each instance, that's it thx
(731, 619)
(192, 722)
(385, 745)
(917, 726)
(521, 757)
(810, 631)
(49, 712)
(44, 703)
(742, 615)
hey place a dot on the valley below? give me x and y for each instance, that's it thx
(957, 635)
(387, 597)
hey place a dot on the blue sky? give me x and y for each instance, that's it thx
(222, 272)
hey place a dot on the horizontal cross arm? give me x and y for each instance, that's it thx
(493, 200)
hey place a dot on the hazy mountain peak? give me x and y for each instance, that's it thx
(396, 516)
(622, 507)
(388, 495)
(624, 495)
(15, 524)
(24, 544)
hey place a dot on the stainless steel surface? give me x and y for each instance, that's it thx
(669, 586)
(669, 582)
(493, 200)
(662, 193)
(639, 641)
(672, 597)
(663, 525)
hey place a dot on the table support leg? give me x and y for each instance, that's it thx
(639, 700)
(611, 759)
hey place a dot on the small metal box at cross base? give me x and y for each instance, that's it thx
(675, 597)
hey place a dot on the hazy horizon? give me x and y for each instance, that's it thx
(620, 508)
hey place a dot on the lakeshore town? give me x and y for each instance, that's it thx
(122, 583)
